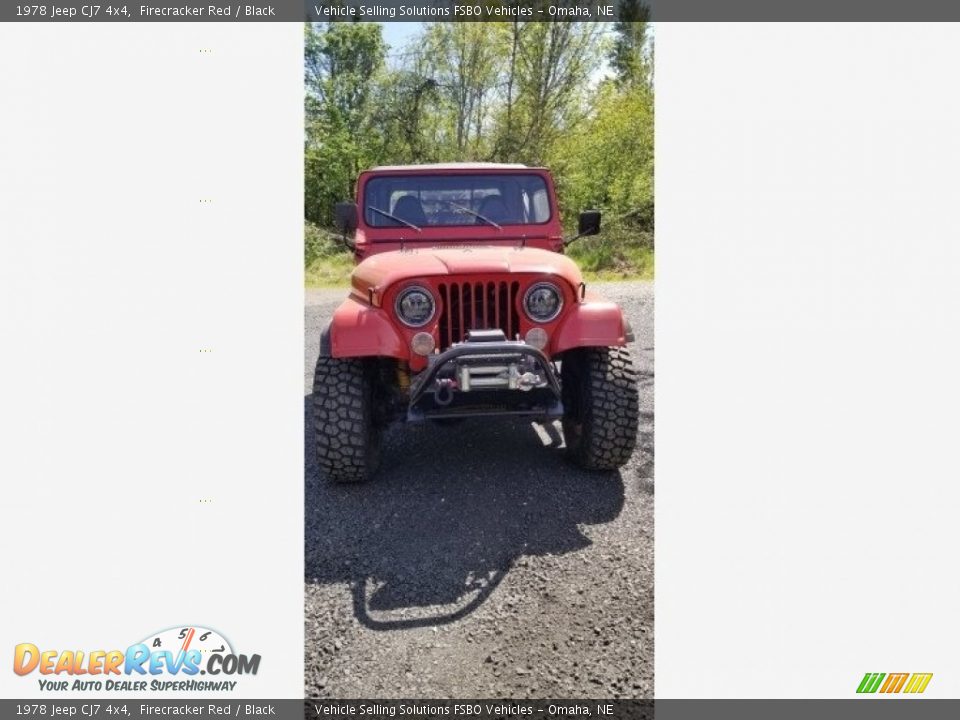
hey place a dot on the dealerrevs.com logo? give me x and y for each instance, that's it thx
(909, 683)
(171, 660)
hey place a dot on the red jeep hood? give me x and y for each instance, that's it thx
(384, 269)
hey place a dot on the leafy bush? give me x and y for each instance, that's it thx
(607, 162)
(616, 253)
(319, 243)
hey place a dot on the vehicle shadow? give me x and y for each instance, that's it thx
(452, 510)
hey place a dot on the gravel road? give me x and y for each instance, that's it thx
(480, 563)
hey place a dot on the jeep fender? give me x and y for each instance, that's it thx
(361, 330)
(594, 323)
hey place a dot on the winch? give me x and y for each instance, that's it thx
(502, 377)
(484, 364)
(500, 368)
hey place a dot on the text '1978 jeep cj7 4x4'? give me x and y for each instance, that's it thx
(464, 305)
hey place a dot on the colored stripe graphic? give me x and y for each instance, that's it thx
(894, 683)
(918, 682)
(870, 682)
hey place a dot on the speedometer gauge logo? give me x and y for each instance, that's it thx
(183, 639)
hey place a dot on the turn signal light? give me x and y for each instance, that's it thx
(422, 343)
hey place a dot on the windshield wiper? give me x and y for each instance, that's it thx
(477, 215)
(394, 217)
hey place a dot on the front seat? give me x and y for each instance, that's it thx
(408, 208)
(494, 208)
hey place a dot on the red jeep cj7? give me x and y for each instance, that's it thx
(463, 305)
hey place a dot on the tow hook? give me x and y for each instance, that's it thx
(528, 381)
(524, 382)
(444, 392)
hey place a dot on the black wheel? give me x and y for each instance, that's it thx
(601, 406)
(346, 429)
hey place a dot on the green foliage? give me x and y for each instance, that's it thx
(525, 92)
(465, 61)
(333, 271)
(607, 161)
(547, 79)
(326, 258)
(614, 255)
(630, 56)
(341, 63)
(320, 244)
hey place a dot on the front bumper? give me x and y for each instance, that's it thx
(486, 375)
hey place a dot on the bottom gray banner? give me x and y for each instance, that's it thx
(874, 708)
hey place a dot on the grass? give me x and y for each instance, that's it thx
(329, 271)
(627, 263)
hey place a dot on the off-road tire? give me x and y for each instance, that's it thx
(601, 406)
(344, 423)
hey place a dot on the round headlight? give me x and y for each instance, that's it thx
(543, 302)
(415, 306)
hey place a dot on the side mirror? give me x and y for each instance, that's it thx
(345, 216)
(589, 223)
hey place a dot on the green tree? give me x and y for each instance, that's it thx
(548, 72)
(629, 55)
(465, 62)
(341, 61)
(607, 162)
(404, 111)
(341, 64)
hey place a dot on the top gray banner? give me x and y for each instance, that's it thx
(463, 10)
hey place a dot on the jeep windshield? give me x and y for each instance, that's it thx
(456, 200)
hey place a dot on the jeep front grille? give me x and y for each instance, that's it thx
(478, 306)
